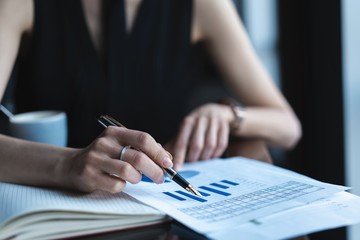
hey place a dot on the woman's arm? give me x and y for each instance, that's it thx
(204, 132)
(94, 167)
(16, 18)
(268, 115)
(30, 163)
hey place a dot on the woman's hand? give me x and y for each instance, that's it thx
(98, 166)
(203, 134)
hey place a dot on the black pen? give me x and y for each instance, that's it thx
(106, 121)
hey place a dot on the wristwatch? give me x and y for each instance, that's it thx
(238, 110)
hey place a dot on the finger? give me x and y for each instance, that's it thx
(107, 183)
(107, 160)
(223, 139)
(196, 142)
(121, 169)
(210, 139)
(181, 142)
(141, 162)
(106, 147)
(95, 179)
(143, 142)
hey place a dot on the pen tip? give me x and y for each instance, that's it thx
(198, 194)
(194, 191)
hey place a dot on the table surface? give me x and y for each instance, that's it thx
(166, 231)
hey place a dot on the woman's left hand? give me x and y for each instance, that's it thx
(203, 134)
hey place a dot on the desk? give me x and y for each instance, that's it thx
(166, 231)
(251, 148)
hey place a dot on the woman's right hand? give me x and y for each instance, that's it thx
(98, 167)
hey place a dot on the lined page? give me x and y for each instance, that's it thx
(17, 199)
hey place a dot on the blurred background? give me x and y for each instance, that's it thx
(312, 50)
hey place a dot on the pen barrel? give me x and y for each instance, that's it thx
(170, 172)
(181, 181)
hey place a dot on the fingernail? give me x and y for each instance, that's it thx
(167, 162)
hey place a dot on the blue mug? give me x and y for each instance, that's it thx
(41, 126)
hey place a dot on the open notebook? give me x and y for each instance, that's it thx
(36, 213)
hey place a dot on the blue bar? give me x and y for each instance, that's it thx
(174, 196)
(191, 196)
(229, 182)
(204, 194)
(219, 185)
(215, 191)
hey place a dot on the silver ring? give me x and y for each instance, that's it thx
(122, 153)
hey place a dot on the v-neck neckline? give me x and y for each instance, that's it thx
(101, 53)
(135, 20)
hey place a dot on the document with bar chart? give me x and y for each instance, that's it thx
(235, 191)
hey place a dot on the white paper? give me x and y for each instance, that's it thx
(261, 190)
(338, 210)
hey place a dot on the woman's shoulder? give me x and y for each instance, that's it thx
(16, 15)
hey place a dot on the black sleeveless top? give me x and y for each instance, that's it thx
(141, 79)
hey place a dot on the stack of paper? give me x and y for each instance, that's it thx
(251, 198)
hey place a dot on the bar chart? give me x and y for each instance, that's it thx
(217, 188)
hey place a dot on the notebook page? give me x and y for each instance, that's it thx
(16, 200)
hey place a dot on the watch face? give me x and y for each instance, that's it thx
(237, 109)
(239, 113)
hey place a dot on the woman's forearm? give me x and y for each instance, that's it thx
(277, 127)
(95, 167)
(30, 163)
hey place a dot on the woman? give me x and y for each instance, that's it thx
(130, 59)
